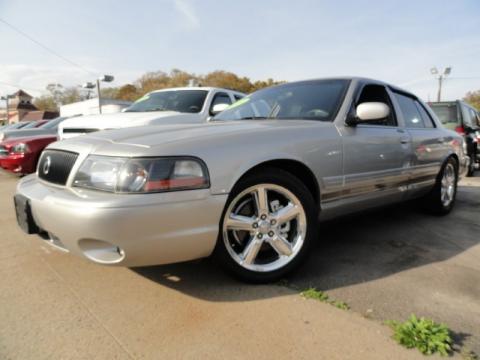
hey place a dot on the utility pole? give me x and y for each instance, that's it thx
(434, 71)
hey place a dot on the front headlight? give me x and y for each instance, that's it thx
(141, 175)
(19, 148)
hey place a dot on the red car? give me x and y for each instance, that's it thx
(20, 155)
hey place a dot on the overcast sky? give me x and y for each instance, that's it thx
(395, 41)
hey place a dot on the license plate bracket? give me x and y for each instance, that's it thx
(24, 214)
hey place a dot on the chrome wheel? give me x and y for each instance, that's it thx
(264, 227)
(447, 190)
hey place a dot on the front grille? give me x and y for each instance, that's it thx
(55, 166)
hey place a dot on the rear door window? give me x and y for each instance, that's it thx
(427, 119)
(411, 114)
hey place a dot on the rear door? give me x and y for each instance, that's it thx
(429, 145)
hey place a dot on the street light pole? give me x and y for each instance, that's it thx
(440, 81)
(441, 77)
(90, 85)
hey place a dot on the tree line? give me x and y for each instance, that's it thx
(59, 95)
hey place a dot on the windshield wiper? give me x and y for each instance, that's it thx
(254, 118)
(157, 109)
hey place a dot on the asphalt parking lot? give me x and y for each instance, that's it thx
(385, 264)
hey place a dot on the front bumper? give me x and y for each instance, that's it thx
(126, 230)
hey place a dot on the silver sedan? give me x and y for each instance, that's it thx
(248, 187)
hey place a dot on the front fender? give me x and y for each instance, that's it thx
(250, 164)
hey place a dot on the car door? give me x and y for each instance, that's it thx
(376, 155)
(429, 144)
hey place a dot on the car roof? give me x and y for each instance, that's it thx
(206, 88)
(358, 79)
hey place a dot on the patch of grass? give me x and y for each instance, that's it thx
(313, 293)
(426, 335)
(341, 305)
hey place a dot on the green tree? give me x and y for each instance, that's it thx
(228, 80)
(70, 95)
(150, 81)
(58, 95)
(46, 103)
(257, 85)
(473, 98)
(127, 92)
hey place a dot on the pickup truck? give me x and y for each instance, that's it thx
(188, 105)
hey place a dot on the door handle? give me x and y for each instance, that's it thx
(405, 140)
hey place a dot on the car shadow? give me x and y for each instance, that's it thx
(350, 250)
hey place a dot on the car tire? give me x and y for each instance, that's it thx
(263, 247)
(441, 199)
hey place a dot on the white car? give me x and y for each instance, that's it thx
(187, 105)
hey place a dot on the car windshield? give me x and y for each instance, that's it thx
(311, 100)
(31, 125)
(448, 114)
(52, 123)
(184, 101)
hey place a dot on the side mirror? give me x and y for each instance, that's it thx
(218, 108)
(370, 111)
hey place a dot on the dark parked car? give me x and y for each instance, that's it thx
(465, 120)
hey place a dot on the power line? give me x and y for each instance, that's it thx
(20, 87)
(46, 48)
(466, 78)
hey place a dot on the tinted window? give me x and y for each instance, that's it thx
(410, 112)
(474, 118)
(426, 118)
(447, 114)
(315, 100)
(468, 119)
(52, 124)
(185, 101)
(31, 125)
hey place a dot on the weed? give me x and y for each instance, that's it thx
(423, 334)
(313, 293)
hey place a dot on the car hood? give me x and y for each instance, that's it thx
(180, 138)
(129, 119)
(27, 132)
